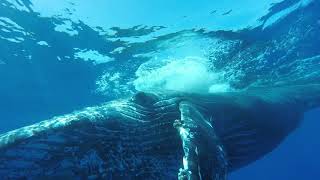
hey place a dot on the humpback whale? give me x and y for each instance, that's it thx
(160, 135)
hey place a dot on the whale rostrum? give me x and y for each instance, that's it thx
(159, 135)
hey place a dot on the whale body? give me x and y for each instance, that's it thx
(135, 138)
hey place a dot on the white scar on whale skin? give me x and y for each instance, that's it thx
(206, 136)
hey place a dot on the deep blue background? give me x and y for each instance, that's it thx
(296, 158)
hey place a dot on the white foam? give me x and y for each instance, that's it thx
(118, 50)
(182, 64)
(43, 43)
(190, 74)
(11, 26)
(92, 55)
(14, 40)
(114, 84)
(66, 27)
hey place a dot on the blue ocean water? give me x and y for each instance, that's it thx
(61, 56)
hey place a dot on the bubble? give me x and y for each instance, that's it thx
(190, 74)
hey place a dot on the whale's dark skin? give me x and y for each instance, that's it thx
(136, 139)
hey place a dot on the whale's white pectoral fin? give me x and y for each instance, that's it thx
(204, 156)
(190, 169)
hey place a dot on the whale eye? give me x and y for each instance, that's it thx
(144, 99)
